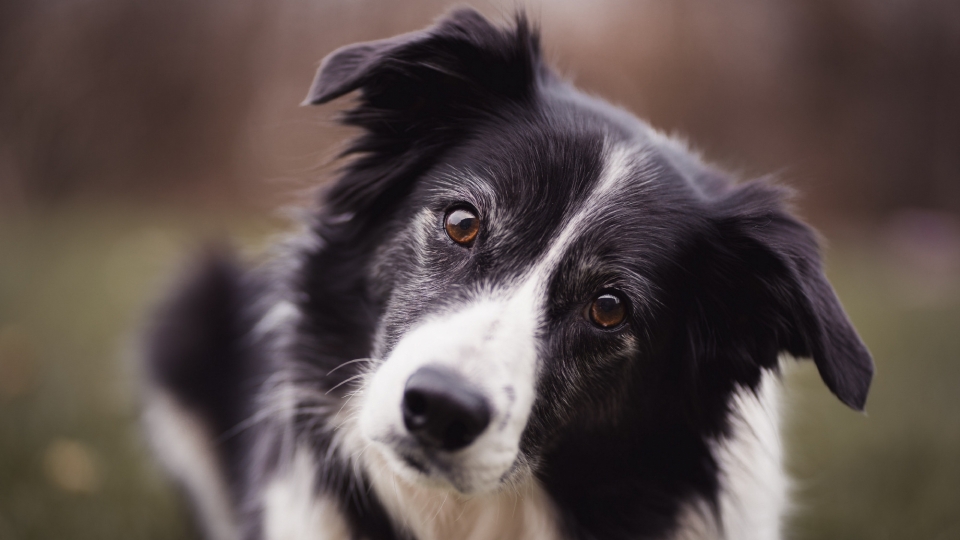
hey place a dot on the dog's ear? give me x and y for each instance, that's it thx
(767, 292)
(419, 93)
(463, 52)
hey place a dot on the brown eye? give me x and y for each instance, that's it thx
(462, 225)
(607, 310)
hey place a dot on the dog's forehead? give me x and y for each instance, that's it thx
(524, 165)
(537, 184)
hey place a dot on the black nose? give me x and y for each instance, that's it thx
(442, 411)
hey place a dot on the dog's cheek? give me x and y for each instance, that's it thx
(380, 413)
(584, 382)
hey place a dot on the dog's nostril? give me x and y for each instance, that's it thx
(415, 402)
(442, 411)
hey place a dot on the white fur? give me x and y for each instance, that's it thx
(293, 510)
(753, 485)
(184, 446)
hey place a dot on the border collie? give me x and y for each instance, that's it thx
(518, 313)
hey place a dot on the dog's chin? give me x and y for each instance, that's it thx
(440, 474)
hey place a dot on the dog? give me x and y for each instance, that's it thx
(519, 312)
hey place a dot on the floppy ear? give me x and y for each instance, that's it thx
(419, 93)
(769, 290)
(347, 68)
(464, 48)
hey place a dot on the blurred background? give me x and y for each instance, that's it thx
(132, 130)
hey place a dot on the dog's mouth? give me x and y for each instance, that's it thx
(410, 458)
(414, 463)
(467, 473)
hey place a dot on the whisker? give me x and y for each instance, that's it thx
(439, 508)
(343, 382)
(347, 363)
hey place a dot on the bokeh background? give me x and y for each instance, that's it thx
(130, 131)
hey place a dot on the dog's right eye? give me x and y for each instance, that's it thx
(607, 310)
(462, 225)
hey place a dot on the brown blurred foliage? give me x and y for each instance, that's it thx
(855, 102)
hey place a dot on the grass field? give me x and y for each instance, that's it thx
(74, 283)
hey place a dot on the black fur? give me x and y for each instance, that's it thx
(720, 277)
(198, 347)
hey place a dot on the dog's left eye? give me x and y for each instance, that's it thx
(462, 225)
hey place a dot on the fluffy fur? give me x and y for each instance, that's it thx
(274, 394)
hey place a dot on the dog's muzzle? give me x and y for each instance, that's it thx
(447, 406)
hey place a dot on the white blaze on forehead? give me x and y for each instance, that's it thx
(619, 161)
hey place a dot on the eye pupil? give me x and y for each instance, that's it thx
(608, 310)
(462, 226)
(607, 303)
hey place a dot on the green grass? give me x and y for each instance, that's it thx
(894, 473)
(74, 284)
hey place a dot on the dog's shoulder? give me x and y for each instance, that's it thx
(199, 381)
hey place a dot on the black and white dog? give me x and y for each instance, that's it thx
(518, 313)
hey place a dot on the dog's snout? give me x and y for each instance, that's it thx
(442, 410)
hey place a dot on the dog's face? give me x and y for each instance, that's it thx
(517, 258)
(541, 264)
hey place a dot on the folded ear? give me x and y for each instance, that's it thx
(464, 49)
(347, 68)
(777, 293)
(420, 93)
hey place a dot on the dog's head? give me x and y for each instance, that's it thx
(527, 262)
